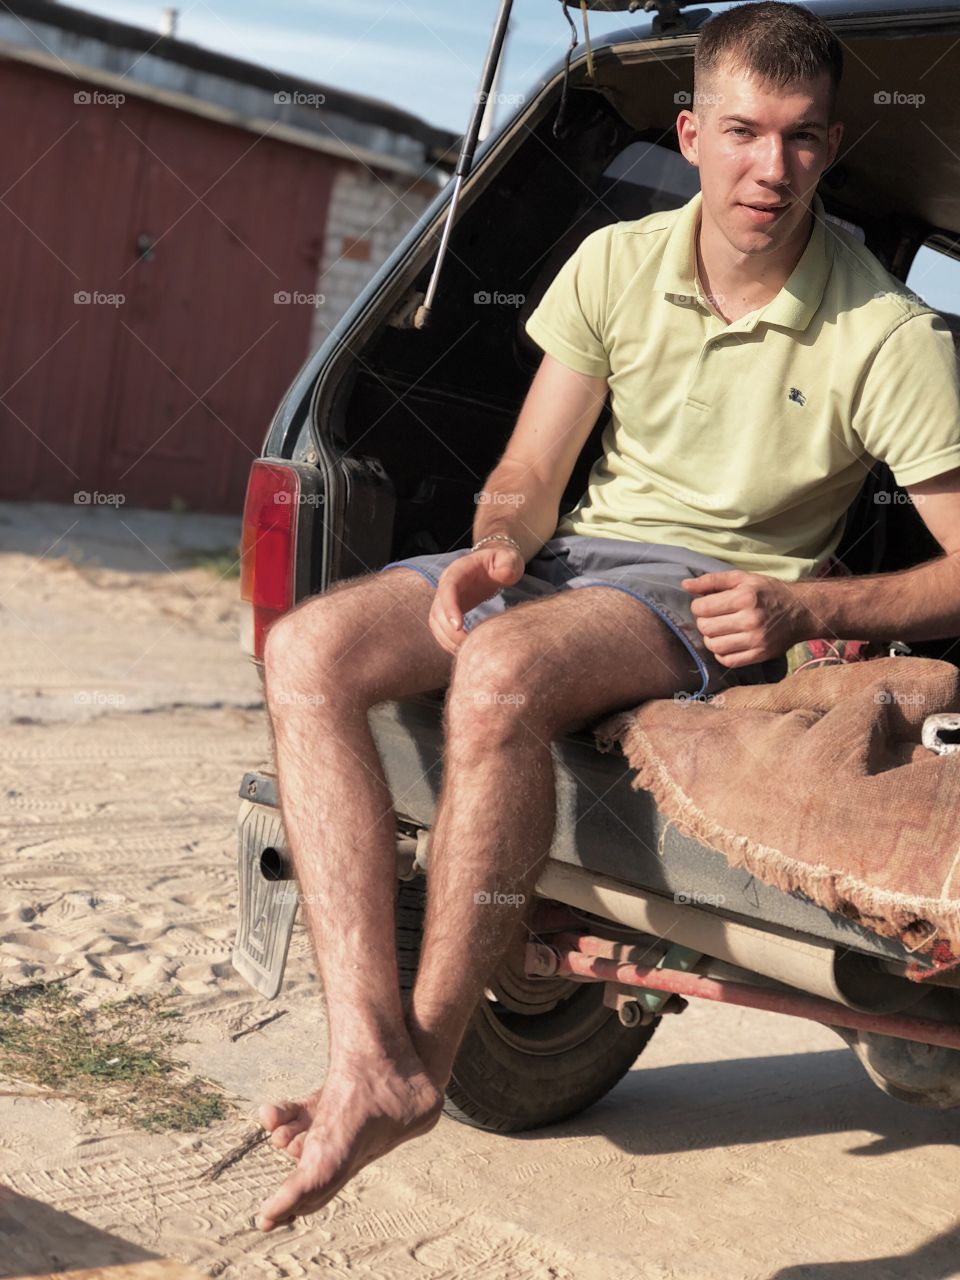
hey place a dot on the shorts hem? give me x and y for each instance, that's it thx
(400, 564)
(616, 586)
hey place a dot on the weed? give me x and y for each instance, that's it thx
(114, 1059)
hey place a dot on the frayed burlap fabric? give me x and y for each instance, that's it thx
(820, 783)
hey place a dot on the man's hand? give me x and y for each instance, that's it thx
(747, 617)
(467, 582)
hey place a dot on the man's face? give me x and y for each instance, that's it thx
(760, 152)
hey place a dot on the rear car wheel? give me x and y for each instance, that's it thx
(536, 1051)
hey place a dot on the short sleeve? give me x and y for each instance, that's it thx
(908, 411)
(569, 322)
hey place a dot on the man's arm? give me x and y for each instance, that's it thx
(922, 603)
(750, 617)
(521, 496)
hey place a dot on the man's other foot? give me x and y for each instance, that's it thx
(360, 1114)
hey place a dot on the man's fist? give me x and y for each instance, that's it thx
(467, 582)
(746, 617)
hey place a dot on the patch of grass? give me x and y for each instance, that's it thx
(114, 1059)
(222, 561)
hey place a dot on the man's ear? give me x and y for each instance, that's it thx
(834, 138)
(688, 133)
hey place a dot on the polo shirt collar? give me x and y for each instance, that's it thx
(796, 303)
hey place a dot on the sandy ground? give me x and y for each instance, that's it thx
(746, 1146)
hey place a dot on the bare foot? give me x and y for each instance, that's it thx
(360, 1114)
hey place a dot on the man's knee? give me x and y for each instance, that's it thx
(308, 638)
(344, 644)
(495, 690)
(286, 643)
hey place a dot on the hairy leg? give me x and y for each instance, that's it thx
(326, 664)
(519, 681)
(511, 695)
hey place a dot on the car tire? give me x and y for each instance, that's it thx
(519, 1070)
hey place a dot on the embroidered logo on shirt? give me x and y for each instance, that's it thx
(797, 396)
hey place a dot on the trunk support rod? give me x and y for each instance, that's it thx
(465, 162)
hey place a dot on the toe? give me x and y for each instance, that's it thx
(282, 1207)
(272, 1114)
(284, 1133)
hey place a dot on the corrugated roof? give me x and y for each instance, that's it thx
(58, 33)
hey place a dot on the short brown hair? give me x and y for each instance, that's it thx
(778, 43)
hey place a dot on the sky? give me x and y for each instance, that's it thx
(423, 55)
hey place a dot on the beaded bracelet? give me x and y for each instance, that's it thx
(498, 537)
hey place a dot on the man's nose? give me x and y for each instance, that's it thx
(773, 161)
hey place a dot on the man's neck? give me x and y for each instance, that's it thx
(737, 283)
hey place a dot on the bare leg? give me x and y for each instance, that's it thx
(326, 664)
(519, 680)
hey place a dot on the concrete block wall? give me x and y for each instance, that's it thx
(369, 214)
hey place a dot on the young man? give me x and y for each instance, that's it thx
(758, 358)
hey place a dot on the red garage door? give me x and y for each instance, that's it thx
(141, 347)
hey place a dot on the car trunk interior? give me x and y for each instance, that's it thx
(435, 407)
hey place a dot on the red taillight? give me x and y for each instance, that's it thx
(268, 550)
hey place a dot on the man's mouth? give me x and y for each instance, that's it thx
(765, 213)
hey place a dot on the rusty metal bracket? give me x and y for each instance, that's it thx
(682, 958)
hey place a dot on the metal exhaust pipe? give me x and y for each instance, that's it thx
(796, 962)
(809, 965)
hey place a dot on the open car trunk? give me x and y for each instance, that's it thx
(408, 422)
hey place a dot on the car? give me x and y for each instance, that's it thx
(377, 452)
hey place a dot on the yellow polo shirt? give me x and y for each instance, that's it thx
(747, 442)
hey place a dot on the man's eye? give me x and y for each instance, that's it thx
(811, 136)
(738, 129)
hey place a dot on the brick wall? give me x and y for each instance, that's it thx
(368, 216)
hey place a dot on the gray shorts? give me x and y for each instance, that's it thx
(650, 573)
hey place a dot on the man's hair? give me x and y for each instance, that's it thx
(780, 44)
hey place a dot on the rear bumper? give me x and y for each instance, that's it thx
(604, 827)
